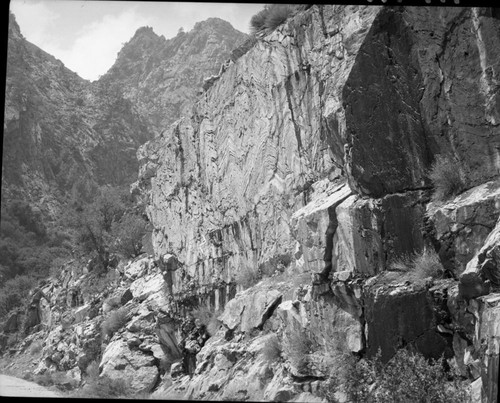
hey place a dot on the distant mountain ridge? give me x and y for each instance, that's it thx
(162, 76)
(64, 136)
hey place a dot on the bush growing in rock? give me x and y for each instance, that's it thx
(14, 292)
(446, 177)
(269, 18)
(115, 321)
(419, 266)
(407, 377)
(297, 347)
(128, 233)
(247, 277)
(102, 387)
(56, 378)
(272, 349)
(208, 318)
(36, 347)
(94, 223)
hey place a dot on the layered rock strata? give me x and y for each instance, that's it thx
(313, 149)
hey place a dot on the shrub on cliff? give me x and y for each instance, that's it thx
(115, 321)
(26, 245)
(128, 233)
(272, 349)
(297, 347)
(209, 318)
(14, 293)
(94, 223)
(247, 277)
(419, 266)
(407, 377)
(269, 18)
(446, 177)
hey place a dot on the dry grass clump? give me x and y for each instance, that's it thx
(272, 349)
(446, 178)
(407, 377)
(268, 19)
(57, 378)
(209, 318)
(419, 266)
(36, 347)
(115, 321)
(102, 387)
(274, 267)
(247, 277)
(297, 346)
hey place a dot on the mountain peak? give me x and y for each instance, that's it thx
(14, 29)
(214, 23)
(145, 32)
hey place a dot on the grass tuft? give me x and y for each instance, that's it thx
(419, 266)
(268, 19)
(115, 321)
(446, 178)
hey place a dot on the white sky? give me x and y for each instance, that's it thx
(86, 35)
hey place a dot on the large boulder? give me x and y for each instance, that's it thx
(250, 309)
(463, 223)
(314, 226)
(120, 362)
(483, 270)
(488, 342)
(428, 107)
(371, 232)
(392, 322)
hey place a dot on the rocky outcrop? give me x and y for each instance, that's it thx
(428, 107)
(482, 273)
(314, 149)
(204, 176)
(306, 165)
(462, 225)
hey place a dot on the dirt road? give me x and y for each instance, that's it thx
(10, 386)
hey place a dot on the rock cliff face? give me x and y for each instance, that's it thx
(311, 155)
(285, 200)
(280, 124)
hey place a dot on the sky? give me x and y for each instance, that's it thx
(86, 35)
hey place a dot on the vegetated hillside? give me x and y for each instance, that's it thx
(163, 76)
(63, 136)
(329, 212)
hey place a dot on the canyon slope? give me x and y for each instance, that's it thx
(286, 203)
(64, 135)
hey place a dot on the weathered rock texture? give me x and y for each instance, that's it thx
(305, 164)
(416, 60)
(310, 155)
